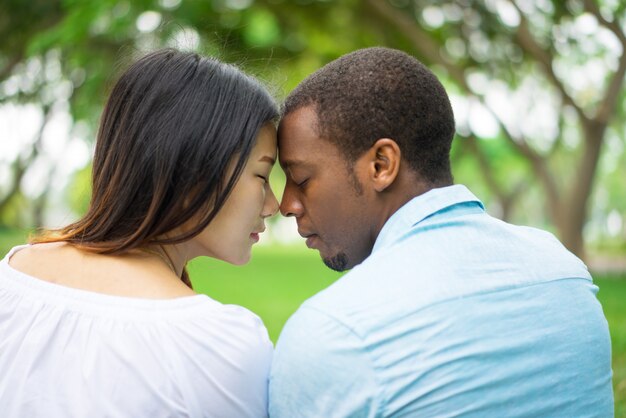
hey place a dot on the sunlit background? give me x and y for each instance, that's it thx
(537, 88)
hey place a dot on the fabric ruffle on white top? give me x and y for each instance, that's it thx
(67, 352)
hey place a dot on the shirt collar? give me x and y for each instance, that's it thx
(420, 208)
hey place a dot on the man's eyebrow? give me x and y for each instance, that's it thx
(285, 164)
(267, 159)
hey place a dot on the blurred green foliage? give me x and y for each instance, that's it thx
(567, 56)
(528, 177)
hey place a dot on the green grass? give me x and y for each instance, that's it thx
(612, 295)
(279, 279)
(272, 285)
(9, 238)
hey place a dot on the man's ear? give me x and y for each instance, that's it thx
(384, 166)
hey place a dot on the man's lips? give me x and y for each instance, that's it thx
(310, 239)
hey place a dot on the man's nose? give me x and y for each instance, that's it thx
(290, 205)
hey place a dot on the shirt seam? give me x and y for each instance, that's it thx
(174, 315)
(353, 331)
(344, 323)
(505, 289)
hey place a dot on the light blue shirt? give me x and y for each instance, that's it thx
(455, 313)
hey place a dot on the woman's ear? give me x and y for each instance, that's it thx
(385, 159)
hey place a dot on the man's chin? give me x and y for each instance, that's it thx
(338, 262)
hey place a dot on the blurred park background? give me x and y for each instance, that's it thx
(537, 88)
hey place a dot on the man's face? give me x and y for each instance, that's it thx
(326, 196)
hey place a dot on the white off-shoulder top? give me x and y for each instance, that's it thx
(67, 352)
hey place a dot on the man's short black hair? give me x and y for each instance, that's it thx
(378, 93)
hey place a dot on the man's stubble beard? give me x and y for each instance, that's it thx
(338, 262)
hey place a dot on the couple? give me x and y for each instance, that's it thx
(446, 311)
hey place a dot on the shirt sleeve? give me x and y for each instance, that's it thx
(321, 369)
(223, 365)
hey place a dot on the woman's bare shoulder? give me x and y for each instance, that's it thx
(131, 275)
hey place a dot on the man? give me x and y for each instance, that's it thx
(446, 311)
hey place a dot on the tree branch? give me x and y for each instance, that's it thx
(607, 106)
(8, 68)
(609, 102)
(421, 40)
(528, 43)
(506, 199)
(485, 165)
(556, 145)
(613, 26)
(536, 160)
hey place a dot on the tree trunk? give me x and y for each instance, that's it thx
(576, 206)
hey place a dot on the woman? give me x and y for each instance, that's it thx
(99, 318)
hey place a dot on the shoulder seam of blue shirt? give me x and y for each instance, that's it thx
(382, 400)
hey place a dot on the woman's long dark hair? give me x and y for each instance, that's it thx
(173, 125)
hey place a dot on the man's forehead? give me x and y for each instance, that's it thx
(299, 142)
(301, 119)
(298, 152)
(295, 142)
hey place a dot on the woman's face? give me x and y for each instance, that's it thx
(238, 224)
